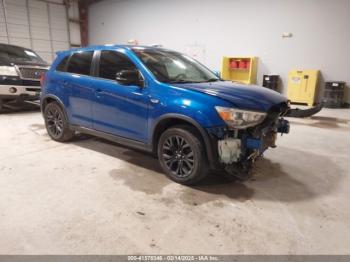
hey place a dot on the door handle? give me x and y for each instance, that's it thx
(65, 83)
(154, 100)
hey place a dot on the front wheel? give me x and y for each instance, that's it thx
(56, 123)
(182, 155)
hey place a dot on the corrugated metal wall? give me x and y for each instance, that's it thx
(39, 25)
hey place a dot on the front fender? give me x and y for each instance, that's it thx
(197, 106)
(197, 111)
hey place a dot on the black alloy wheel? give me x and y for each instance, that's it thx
(56, 123)
(178, 156)
(182, 155)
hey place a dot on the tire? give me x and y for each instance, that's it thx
(182, 155)
(56, 123)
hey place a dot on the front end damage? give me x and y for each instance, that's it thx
(237, 149)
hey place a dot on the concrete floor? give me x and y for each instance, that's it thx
(92, 197)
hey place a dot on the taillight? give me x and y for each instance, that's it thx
(42, 80)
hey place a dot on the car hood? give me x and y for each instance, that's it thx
(249, 97)
(25, 63)
(7, 62)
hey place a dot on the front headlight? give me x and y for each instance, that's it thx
(8, 71)
(240, 119)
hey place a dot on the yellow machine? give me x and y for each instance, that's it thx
(302, 86)
(239, 69)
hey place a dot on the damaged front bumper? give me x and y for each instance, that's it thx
(238, 149)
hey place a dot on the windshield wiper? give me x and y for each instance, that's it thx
(212, 80)
(182, 82)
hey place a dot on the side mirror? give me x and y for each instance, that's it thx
(130, 77)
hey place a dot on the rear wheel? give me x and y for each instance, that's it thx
(182, 155)
(56, 123)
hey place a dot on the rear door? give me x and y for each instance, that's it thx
(77, 86)
(119, 109)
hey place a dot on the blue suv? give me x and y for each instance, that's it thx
(165, 103)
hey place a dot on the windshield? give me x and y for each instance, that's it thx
(173, 67)
(15, 54)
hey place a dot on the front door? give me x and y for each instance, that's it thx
(118, 109)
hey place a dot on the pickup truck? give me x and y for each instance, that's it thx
(20, 73)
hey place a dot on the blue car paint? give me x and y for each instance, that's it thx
(250, 97)
(127, 111)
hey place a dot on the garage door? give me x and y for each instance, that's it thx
(39, 25)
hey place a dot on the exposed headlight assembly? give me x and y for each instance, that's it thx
(8, 71)
(240, 119)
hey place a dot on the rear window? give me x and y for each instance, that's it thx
(62, 66)
(80, 63)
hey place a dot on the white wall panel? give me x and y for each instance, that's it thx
(59, 23)
(3, 31)
(58, 17)
(17, 23)
(2, 14)
(57, 1)
(39, 17)
(59, 46)
(18, 31)
(37, 4)
(74, 33)
(16, 14)
(16, 2)
(41, 45)
(42, 33)
(47, 56)
(59, 27)
(25, 42)
(73, 11)
(59, 35)
(3, 40)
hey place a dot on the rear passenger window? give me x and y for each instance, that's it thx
(62, 65)
(80, 63)
(112, 62)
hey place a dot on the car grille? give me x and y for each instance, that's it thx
(31, 73)
(33, 89)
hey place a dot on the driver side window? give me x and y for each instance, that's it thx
(112, 62)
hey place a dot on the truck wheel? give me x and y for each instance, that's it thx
(182, 155)
(56, 123)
